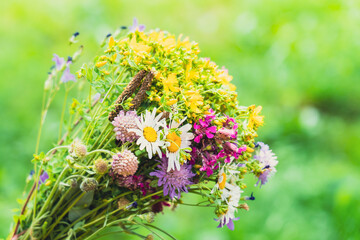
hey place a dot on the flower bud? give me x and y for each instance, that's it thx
(89, 184)
(101, 166)
(73, 183)
(244, 206)
(77, 149)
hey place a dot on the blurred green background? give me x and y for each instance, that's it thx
(299, 59)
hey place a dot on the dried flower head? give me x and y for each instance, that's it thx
(125, 163)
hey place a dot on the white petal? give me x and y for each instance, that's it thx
(158, 117)
(183, 120)
(185, 128)
(136, 131)
(177, 163)
(149, 150)
(138, 123)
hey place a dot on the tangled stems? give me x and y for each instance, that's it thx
(91, 212)
(113, 213)
(96, 116)
(62, 215)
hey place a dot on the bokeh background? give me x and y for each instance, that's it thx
(299, 59)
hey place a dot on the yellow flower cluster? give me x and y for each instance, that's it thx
(183, 80)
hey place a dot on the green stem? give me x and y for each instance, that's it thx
(101, 135)
(159, 229)
(41, 124)
(63, 214)
(100, 151)
(100, 229)
(117, 210)
(55, 148)
(127, 231)
(93, 211)
(144, 226)
(63, 110)
(54, 189)
(59, 202)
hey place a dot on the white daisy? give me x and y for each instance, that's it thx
(228, 171)
(148, 132)
(178, 139)
(231, 195)
(221, 182)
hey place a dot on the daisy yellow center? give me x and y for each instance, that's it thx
(222, 181)
(175, 142)
(150, 134)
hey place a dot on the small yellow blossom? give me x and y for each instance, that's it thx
(171, 83)
(225, 78)
(171, 102)
(156, 36)
(250, 150)
(184, 43)
(139, 47)
(113, 58)
(111, 42)
(100, 64)
(193, 100)
(255, 119)
(169, 43)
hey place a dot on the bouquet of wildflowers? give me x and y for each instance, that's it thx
(156, 122)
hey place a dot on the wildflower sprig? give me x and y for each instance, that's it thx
(158, 121)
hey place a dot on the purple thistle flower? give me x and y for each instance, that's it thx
(136, 25)
(59, 62)
(174, 181)
(267, 160)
